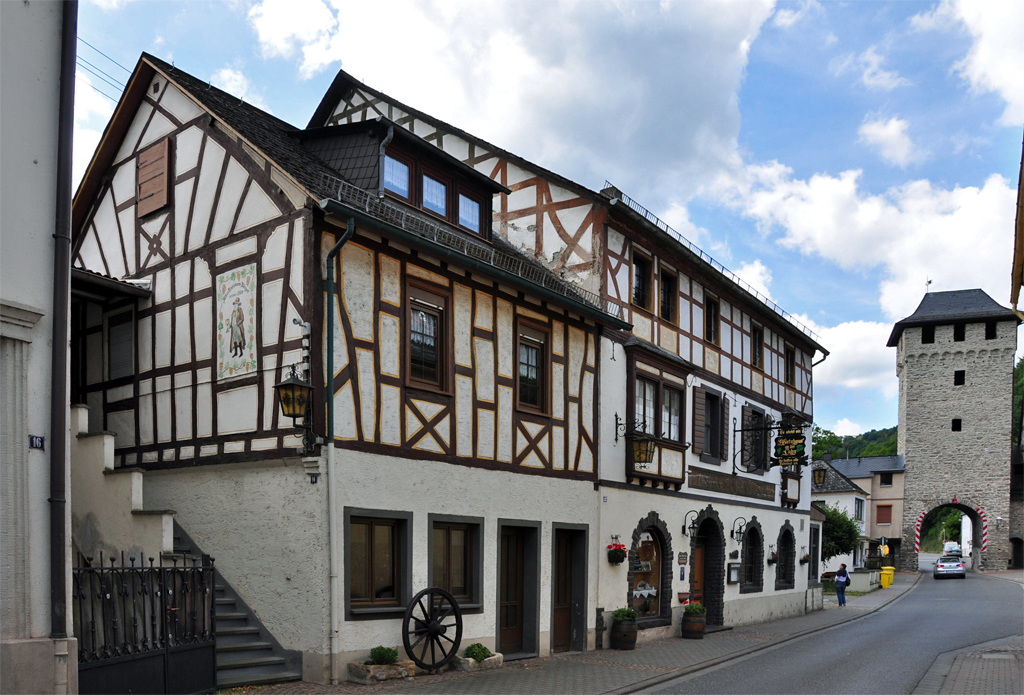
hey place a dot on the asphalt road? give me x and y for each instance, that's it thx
(885, 652)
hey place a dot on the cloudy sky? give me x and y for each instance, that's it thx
(836, 155)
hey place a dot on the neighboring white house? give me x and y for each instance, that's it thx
(37, 654)
(834, 489)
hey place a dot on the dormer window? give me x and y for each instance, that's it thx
(396, 176)
(469, 214)
(435, 196)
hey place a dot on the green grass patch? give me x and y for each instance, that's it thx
(830, 590)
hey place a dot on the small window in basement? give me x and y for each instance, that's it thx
(927, 334)
(959, 331)
(958, 377)
(990, 330)
(957, 424)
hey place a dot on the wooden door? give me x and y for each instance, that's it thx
(697, 572)
(510, 625)
(561, 637)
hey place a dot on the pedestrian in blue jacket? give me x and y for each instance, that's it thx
(842, 581)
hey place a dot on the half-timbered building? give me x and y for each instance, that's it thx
(456, 376)
(708, 371)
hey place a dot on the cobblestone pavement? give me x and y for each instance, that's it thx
(611, 671)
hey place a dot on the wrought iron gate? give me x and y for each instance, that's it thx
(145, 629)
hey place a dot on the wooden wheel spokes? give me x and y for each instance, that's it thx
(432, 629)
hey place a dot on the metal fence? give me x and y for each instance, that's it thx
(145, 627)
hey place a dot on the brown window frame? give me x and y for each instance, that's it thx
(712, 324)
(542, 335)
(757, 346)
(881, 479)
(368, 571)
(409, 162)
(469, 562)
(461, 193)
(668, 279)
(433, 292)
(424, 169)
(790, 365)
(646, 276)
(878, 518)
(714, 429)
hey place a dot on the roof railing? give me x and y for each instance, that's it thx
(422, 226)
(639, 209)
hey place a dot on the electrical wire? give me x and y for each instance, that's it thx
(95, 67)
(104, 55)
(100, 77)
(85, 81)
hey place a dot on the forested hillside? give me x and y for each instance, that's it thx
(871, 443)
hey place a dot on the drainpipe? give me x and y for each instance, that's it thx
(60, 317)
(332, 512)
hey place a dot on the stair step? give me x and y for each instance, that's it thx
(231, 616)
(224, 601)
(249, 662)
(261, 679)
(243, 646)
(229, 631)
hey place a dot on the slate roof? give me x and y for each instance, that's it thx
(835, 482)
(866, 466)
(952, 307)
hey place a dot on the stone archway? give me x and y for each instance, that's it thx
(711, 533)
(980, 559)
(653, 524)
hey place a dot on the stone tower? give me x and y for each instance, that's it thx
(954, 360)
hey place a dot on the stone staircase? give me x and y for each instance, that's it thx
(247, 654)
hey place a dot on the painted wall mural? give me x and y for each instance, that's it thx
(236, 322)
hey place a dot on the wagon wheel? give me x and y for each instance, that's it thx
(432, 629)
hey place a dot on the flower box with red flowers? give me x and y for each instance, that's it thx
(616, 553)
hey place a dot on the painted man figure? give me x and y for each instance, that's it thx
(237, 330)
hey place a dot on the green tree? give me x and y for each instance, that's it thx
(824, 442)
(839, 533)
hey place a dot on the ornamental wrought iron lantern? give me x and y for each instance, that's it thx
(643, 443)
(737, 527)
(692, 525)
(294, 395)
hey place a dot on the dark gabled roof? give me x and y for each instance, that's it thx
(866, 466)
(952, 307)
(89, 283)
(835, 482)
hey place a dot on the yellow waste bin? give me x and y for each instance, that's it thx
(887, 576)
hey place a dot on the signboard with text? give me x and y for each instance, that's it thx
(790, 447)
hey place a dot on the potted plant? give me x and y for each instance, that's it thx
(383, 665)
(805, 559)
(616, 553)
(623, 632)
(773, 558)
(694, 620)
(477, 657)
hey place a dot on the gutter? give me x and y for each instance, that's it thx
(61, 324)
(334, 207)
(332, 508)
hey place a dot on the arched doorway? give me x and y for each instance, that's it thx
(707, 568)
(924, 532)
(1017, 553)
(650, 573)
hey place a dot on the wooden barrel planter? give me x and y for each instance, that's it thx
(693, 625)
(623, 634)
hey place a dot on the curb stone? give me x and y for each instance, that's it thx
(664, 678)
(934, 681)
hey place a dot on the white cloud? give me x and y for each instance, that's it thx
(581, 86)
(92, 111)
(110, 4)
(784, 19)
(915, 231)
(858, 359)
(234, 82)
(757, 275)
(890, 140)
(993, 63)
(869, 64)
(844, 427)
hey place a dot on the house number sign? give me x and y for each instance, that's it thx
(36, 442)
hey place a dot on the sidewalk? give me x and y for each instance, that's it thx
(612, 671)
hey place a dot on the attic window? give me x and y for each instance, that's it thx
(927, 334)
(959, 332)
(396, 176)
(154, 178)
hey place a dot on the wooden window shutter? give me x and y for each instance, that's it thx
(725, 429)
(884, 514)
(699, 417)
(153, 178)
(746, 438)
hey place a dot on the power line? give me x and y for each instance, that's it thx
(95, 67)
(100, 77)
(84, 81)
(104, 55)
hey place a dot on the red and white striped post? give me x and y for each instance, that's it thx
(984, 529)
(917, 532)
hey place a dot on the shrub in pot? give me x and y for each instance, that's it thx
(623, 632)
(477, 657)
(694, 620)
(382, 665)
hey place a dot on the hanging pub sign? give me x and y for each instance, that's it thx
(790, 447)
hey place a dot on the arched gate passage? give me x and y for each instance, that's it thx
(979, 527)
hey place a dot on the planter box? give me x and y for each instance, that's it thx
(368, 674)
(461, 663)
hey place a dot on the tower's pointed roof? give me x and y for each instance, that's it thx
(954, 306)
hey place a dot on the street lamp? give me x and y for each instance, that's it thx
(295, 395)
(643, 445)
(692, 525)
